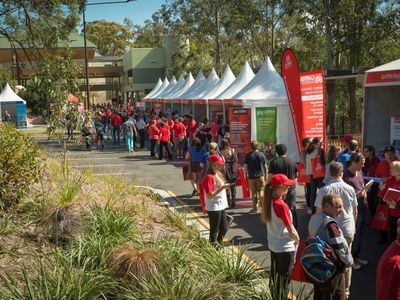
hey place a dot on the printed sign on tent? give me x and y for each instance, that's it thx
(240, 130)
(312, 98)
(266, 120)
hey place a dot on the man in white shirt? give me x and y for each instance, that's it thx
(348, 216)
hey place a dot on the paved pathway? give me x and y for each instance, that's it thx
(140, 169)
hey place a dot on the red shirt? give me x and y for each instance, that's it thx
(164, 134)
(179, 130)
(191, 128)
(116, 120)
(383, 169)
(370, 166)
(393, 183)
(282, 211)
(171, 123)
(153, 132)
(388, 273)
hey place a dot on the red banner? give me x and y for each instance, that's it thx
(291, 78)
(312, 97)
(240, 131)
(382, 78)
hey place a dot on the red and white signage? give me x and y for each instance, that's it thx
(382, 78)
(312, 98)
(291, 78)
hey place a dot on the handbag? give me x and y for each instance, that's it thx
(187, 174)
(298, 273)
(380, 221)
(302, 177)
(318, 168)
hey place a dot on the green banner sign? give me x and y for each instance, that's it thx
(266, 124)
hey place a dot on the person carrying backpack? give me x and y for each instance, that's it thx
(325, 227)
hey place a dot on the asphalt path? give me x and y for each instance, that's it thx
(247, 229)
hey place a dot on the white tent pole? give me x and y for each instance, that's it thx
(207, 111)
(223, 112)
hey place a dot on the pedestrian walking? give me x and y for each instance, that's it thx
(256, 171)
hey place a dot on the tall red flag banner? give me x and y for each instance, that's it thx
(240, 131)
(312, 97)
(291, 78)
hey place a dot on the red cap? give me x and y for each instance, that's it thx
(280, 179)
(216, 159)
(346, 138)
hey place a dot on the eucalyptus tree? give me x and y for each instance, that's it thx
(110, 38)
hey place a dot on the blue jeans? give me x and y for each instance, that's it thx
(116, 135)
(129, 142)
(362, 220)
(290, 200)
(315, 184)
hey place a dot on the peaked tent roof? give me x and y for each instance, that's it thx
(8, 95)
(245, 76)
(154, 90)
(387, 74)
(162, 87)
(180, 83)
(208, 85)
(188, 83)
(266, 85)
(194, 89)
(170, 86)
(226, 79)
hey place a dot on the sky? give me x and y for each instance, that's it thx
(137, 11)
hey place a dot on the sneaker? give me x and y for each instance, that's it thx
(229, 221)
(194, 193)
(362, 262)
(356, 266)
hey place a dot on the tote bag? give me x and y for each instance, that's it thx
(318, 169)
(302, 177)
(380, 220)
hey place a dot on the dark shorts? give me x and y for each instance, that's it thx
(194, 167)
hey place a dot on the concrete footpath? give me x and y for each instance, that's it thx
(140, 169)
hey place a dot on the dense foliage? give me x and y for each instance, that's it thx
(19, 165)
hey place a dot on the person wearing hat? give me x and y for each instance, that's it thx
(285, 165)
(383, 168)
(216, 199)
(281, 233)
(388, 271)
(345, 156)
(345, 142)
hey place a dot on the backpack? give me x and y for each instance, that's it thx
(319, 260)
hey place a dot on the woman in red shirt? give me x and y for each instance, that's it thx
(164, 139)
(394, 183)
(153, 133)
(179, 131)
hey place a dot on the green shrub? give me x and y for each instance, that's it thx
(19, 165)
(56, 277)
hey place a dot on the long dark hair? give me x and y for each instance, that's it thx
(197, 143)
(267, 204)
(332, 154)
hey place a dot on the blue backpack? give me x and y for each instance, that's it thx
(319, 260)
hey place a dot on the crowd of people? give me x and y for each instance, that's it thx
(340, 203)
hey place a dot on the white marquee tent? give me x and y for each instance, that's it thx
(14, 104)
(381, 104)
(168, 88)
(162, 88)
(267, 89)
(188, 83)
(155, 89)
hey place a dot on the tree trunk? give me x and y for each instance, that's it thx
(330, 107)
(351, 90)
(330, 85)
(217, 41)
